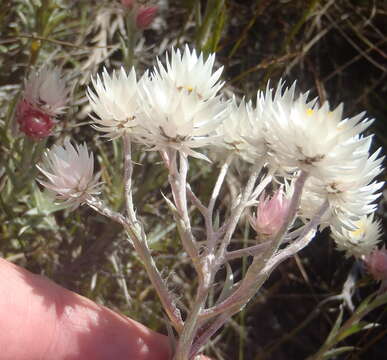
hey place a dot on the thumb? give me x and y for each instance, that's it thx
(41, 320)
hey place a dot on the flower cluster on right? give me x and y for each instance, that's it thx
(179, 107)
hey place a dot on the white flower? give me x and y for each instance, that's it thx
(350, 190)
(359, 237)
(115, 101)
(190, 73)
(180, 109)
(310, 204)
(242, 131)
(46, 90)
(302, 135)
(69, 171)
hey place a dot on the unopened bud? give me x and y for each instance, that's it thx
(376, 263)
(270, 215)
(44, 98)
(33, 122)
(145, 16)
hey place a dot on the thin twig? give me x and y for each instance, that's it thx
(249, 251)
(128, 173)
(211, 239)
(178, 181)
(140, 244)
(237, 211)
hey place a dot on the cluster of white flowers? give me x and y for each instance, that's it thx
(179, 106)
(176, 106)
(302, 136)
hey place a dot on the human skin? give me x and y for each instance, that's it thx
(41, 320)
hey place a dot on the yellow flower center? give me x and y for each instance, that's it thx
(188, 88)
(360, 229)
(309, 112)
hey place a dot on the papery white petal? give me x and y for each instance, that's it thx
(69, 171)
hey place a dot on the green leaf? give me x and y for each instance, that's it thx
(360, 326)
(334, 352)
(332, 335)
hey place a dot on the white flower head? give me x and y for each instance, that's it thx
(46, 90)
(115, 101)
(69, 171)
(189, 73)
(242, 131)
(303, 135)
(351, 189)
(180, 106)
(357, 237)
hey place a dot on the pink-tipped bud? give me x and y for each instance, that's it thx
(377, 263)
(271, 213)
(33, 122)
(44, 98)
(145, 16)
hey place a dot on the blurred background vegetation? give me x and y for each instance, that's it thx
(337, 49)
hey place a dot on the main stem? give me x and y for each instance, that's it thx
(184, 348)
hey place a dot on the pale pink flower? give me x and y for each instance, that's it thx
(70, 175)
(46, 90)
(44, 98)
(270, 215)
(377, 263)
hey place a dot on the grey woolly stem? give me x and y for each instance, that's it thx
(208, 333)
(128, 172)
(249, 251)
(303, 240)
(196, 201)
(211, 238)
(291, 214)
(237, 211)
(191, 324)
(261, 268)
(178, 181)
(139, 242)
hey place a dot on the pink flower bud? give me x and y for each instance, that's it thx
(377, 263)
(145, 16)
(35, 123)
(44, 98)
(270, 214)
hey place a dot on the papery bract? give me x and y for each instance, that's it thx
(376, 263)
(115, 101)
(271, 213)
(241, 131)
(69, 171)
(46, 89)
(180, 106)
(357, 237)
